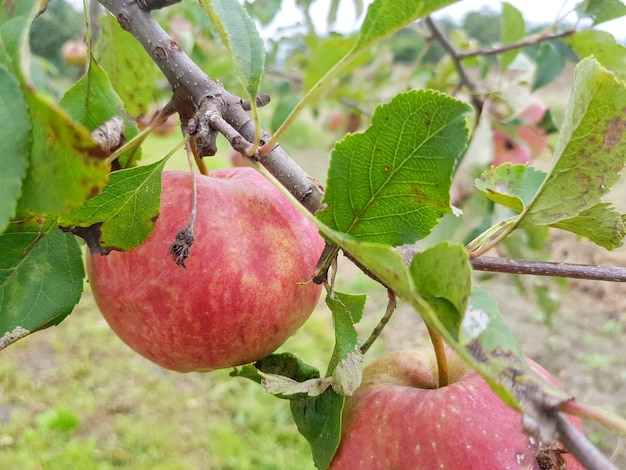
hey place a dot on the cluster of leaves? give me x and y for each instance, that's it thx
(387, 187)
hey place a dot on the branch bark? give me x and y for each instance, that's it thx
(194, 90)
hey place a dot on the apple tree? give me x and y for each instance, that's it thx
(433, 167)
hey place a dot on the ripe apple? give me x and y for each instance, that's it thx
(246, 287)
(508, 150)
(398, 419)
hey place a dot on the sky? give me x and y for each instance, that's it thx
(534, 11)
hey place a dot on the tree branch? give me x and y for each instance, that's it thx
(193, 89)
(580, 447)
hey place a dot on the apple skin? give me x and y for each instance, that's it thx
(506, 149)
(246, 286)
(398, 419)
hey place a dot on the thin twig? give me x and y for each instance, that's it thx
(548, 268)
(530, 41)
(464, 79)
(537, 268)
(391, 307)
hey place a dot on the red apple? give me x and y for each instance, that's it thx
(508, 150)
(246, 287)
(398, 419)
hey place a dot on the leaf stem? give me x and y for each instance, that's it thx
(440, 355)
(391, 307)
(609, 420)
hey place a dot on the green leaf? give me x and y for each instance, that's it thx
(347, 310)
(602, 10)
(550, 64)
(601, 224)
(239, 34)
(66, 166)
(590, 152)
(513, 186)
(442, 277)
(384, 17)
(512, 29)
(324, 54)
(603, 47)
(391, 183)
(15, 21)
(127, 65)
(92, 101)
(264, 11)
(14, 144)
(41, 279)
(123, 214)
(319, 420)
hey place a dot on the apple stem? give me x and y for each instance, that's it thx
(185, 237)
(391, 307)
(440, 355)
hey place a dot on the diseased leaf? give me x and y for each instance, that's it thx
(512, 29)
(603, 47)
(15, 144)
(41, 278)
(240, 35)
(513, 186)
(123, 214)
(285, 364)
(93, 101)
(283, 386)
(391, 183)
(348, 374)
(347, 310)
(590, 152)
(127, 65)
(66, 166)
(601, 224)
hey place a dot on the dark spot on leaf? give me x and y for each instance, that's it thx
(613, 135)
(93, 238)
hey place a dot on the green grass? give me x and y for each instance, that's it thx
(75, 397)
